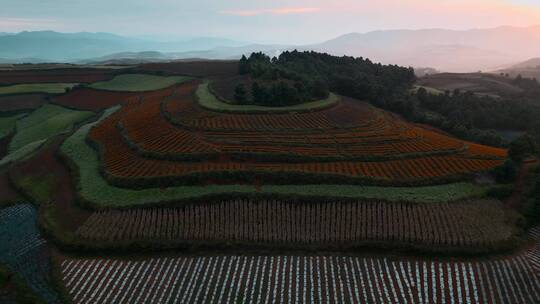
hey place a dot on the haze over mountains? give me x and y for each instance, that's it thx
(444, 50)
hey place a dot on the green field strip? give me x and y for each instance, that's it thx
(51, 88)
(45, 122)
(138, 83)
(209, 101)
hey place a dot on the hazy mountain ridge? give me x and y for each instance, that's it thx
(531, 63)
(54, 46)
(441, 49)
(447, 50)
(529, 69)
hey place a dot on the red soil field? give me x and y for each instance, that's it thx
(55, 75)
(209, 68)
(96, 100)
(371, 133)
(21, 102)
(92, 100)
(121, 161)
(149, 131)
(463, 224)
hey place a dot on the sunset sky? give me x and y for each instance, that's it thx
(279, 21)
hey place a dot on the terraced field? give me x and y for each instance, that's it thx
(319, 203)
(350, 224)
(94, 188)
(302, 279)
(383, 148)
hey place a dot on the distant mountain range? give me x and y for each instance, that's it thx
(54, 46)
(533, 63)
(444, 50)
(529, 68)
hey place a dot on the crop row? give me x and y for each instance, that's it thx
(470, 223)
(534, 255)
(295, 134)
(183, 110)
(122, 162)
(96, 191)
(145, 128)
(23, 250)
(299, 279)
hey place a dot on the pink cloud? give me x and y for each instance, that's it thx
(15, 24)
(273, 11)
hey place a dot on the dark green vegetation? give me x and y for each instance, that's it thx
(47, 121)
(478, 107)
(209, 101)
(296, 77)
(7, 124)
(14, 290)
(533, 208)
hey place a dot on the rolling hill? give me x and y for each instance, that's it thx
(528, 69)
(54, 46)
(446, 50)
(441, 49)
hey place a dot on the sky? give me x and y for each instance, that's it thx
(278, 21)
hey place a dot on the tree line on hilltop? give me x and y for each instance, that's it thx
(296, 77)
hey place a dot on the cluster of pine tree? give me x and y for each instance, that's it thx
(296, 77)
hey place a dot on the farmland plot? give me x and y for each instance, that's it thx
(149, 132)
(300, 279)
(47, 121)
(463, 224)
